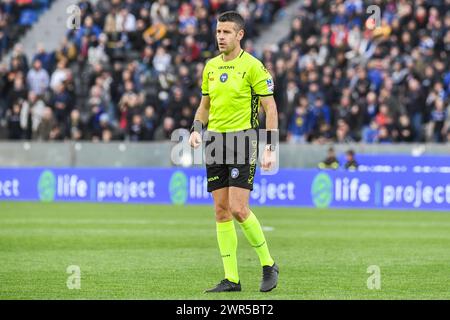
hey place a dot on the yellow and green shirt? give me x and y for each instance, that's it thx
(234, 88)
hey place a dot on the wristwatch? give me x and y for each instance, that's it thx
(270, 147)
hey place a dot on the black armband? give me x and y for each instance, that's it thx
(197, 126)
(272, 136)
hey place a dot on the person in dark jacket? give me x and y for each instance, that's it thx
(330, 161)
(351, 163)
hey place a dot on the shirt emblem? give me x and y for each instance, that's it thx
(223, 77)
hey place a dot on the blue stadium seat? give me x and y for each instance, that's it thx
(28, 17)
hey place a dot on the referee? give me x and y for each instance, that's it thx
(234, 85)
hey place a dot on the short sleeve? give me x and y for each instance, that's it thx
(205, 86)
(261, 80)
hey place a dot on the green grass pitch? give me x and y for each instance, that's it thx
(170, 252)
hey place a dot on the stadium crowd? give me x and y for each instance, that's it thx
(341, 77)
(133, 71)
(16, 16)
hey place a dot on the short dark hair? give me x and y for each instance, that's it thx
(232, 16)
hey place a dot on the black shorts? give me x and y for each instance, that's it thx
(232, 161)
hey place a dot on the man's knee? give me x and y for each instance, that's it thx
(222, 212)
(240, 212)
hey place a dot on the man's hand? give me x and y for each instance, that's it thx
(269, 160)
(195, 139)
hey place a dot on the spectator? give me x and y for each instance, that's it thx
(129, 106)
(350, 163)
(149, 122)
(191, 50)
(155, 33)
(437, 123)
(88, 31)
(46, 58)
(383, 117)
(18, 91)
(160, 11)
(37, 78)
(46, 125)
(56, 133)
(13, 119)
(107, 135)
(300, 125)
(164, 131)
(415, 106)
(330, 161)
(31, 114)
(371, 107)
(137, 129)
(320, 113)
(162, 60)
(59, 75)
(66, 51)
(61, 104)
(186, 118)
(125, 21)
(97, 53)
(19, 60)
(324, 135)
(99, 127)
(404, 131)
(383, 135)
(370, 133)
(343, 133)
(75, 129)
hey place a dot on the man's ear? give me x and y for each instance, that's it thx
(240, 34)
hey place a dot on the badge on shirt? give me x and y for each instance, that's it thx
(270, 85)
(223, 77)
